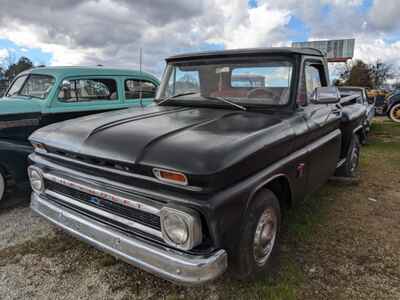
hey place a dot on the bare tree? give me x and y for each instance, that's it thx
(396, 85)
(9, 60)
(380, 72)
(356, 73)
(12, 67)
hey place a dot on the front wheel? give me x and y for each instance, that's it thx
(394, 113)
(258, 243)
(349, 168)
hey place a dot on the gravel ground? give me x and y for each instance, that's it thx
(343, 243)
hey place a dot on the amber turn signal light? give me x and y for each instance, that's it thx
(170, 176)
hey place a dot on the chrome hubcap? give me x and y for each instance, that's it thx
(2, 186)
(265, 235)
(354, 159)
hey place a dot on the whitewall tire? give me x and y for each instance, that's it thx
(394, 113)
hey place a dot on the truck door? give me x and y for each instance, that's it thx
(323, 120)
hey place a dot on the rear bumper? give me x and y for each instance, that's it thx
(164, 262)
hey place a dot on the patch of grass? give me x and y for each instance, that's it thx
(281, 285)
(383, 145)
(303, 217)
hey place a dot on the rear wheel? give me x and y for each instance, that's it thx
(259, 241)
(394, 113)
(349, 168)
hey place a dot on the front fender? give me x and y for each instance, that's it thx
(14, 159)
(393, 100)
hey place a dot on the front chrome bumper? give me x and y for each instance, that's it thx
(161, 261)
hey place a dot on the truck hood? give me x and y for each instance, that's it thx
(193, 140)
(14, 105)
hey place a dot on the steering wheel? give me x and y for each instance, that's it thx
(259, 93)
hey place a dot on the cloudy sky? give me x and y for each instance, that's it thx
(110, 32)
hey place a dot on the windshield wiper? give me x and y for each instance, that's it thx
(226, 100)
(175, 96)
(222, 99)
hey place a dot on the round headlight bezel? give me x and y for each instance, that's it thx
(36, 175)
(172, 230)
(190, 223)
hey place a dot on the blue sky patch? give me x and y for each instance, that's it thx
(37, 56)
(299, 31)
(253, 3)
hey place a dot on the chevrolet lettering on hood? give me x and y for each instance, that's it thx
(203, 177)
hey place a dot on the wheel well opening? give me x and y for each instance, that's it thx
(3, 170)
(281, 188)
(5, 173)
(360, 134)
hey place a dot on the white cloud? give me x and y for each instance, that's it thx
(110, 32)
(3, 54)
(384, 15)
(29, 36)
(86, 32)
(343, 2)
(371, 50)
(261, 26)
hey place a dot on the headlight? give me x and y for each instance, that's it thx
(181, 228)
(36, 179)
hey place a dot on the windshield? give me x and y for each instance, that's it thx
(34, 86)
(245, 83)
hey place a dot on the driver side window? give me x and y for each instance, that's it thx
(183, 81)
(86, 90)
(313, 79)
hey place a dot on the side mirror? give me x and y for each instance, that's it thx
(325, 95)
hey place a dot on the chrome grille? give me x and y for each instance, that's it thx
(139, 216)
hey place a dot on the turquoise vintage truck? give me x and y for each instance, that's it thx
(42, 96)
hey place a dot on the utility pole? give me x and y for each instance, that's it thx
(140, 81)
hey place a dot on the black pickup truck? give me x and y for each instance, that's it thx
(200, 181)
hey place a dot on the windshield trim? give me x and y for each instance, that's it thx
(13, 82)
(28, 76)
(234, 60)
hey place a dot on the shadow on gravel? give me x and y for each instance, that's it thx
(15, 200)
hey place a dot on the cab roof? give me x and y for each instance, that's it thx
(88, 71)
(249, 52)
